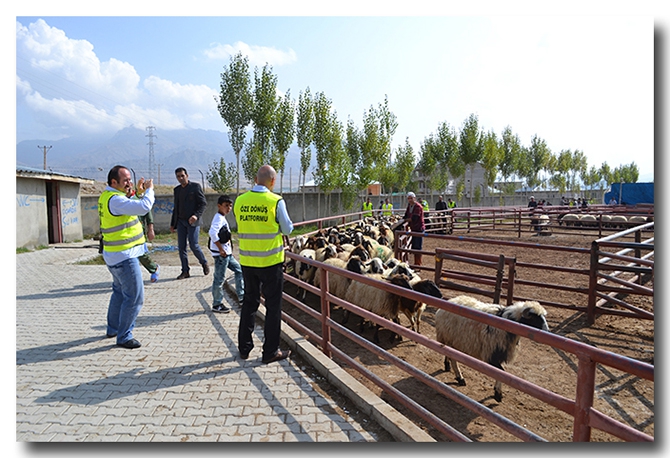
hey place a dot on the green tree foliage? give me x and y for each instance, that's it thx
(404, 164)
(305, 136)
(510, 146)
(235, 104)
(221, 177)
(538, 155)
(283, 134)
(491, 157)
(259, 149)
(470, 147)
(626, 174)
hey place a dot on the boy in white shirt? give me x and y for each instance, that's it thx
(222, 251)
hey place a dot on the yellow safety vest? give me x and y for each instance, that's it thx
(121, 232)
(387, 209)
(260, 239)
(424, 204)
(451, 204)
(368, 208)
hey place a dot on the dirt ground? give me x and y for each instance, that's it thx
(621, 396)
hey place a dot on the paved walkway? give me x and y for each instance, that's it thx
(185, 383)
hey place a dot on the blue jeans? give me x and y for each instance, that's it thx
(186, 232)
(220, 266)
(127, 299)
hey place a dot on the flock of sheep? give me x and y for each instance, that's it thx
(607, 221)
(365, 248)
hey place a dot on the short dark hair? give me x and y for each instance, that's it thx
(180, 169)
(114, 174)
(223, 199)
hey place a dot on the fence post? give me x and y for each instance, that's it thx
(593, 283)
(499, 279)
(325, 314)
(586, 377)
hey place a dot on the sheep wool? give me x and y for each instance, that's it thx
(486, 343)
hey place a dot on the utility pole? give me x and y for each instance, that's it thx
(159, 172)
(45, 148)
(151, 136)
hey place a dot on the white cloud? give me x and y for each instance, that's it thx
(258, 55)
(63, 83)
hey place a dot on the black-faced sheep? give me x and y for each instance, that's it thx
(337, 284)
(383, 303)
(487, 343)
(305, 271)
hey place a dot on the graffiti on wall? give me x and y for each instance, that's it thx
(23, 200)
(69, 212)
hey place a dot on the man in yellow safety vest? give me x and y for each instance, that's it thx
(262, 218)
(367, 208)
(123, 243)
(387, 208)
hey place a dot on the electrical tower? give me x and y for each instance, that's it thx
(152, 162)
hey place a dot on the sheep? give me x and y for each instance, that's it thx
(570, 219)
(619, 221)
(588, 220)
(337, 284)
(375, 266)
(605, 220)
(637, 220)
(305, 271)
(487, 343)
(327, 252)
(383, 303)
(426, 287)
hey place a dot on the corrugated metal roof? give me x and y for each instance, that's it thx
(29, 172)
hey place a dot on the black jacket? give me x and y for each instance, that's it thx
(188, 200)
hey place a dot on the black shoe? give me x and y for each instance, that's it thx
(183, 275)
(109, 336)
(220, 308)
(244, 355)
(277, 357)
(205, 269)
(132, 343)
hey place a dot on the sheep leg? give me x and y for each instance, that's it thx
(345, 316)
(497, 388)
(447, 364)
(457, 373)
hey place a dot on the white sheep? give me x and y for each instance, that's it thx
(305, 271)
(338, 284)
(570, 219)
(619, 221)
(589, 220)
(381, 302)
(637, 220)
(487, 343)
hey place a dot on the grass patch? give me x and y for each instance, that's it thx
(96, 261)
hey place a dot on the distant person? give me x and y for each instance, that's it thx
(613, 201)
(367, 208)
(451, 204)
(441, 207)
(220, 244)
(532, 203)
(122, 244)
(189, 205)
(262, 218)
(414, 216)
(387, 208)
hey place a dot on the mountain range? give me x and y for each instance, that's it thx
(92, 157)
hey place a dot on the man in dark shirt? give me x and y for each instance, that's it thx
(189, 205)
(414, 216)
(440, 207)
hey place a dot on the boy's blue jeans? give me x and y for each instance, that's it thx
(220, 265)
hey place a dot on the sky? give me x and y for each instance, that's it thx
(578, 82)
